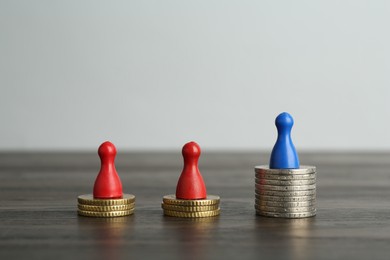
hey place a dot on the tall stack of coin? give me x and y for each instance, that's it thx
(199, 208)
(105, 208)
(285, 193)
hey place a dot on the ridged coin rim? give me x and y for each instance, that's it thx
(304, 169)
(210, 200)
(285, 183)
(286, 198)
(285, 204)
(287, 215)
(106, 208)
(189, 208)
(111, 214)
(285, 188)
(284, 209)
(286, 193)
(182, 214)
(88, 199)
(285, 177)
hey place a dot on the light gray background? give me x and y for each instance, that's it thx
(156, 74)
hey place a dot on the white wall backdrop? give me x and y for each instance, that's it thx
(156, 74)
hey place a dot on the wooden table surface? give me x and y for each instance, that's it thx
(38, 220)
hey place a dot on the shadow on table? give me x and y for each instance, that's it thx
(192, 235)
(106, 236)
(286, 237)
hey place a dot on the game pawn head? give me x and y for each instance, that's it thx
(107, 199)
(284, 188)
(191, 199)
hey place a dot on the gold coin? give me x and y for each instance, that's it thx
(189, 208)
(88, 199)
(182, 214)
(111, 214)
(106, 208)
(210, 200)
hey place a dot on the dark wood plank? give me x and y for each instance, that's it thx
(38, 217)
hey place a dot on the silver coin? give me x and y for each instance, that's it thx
(285, 210)
(285, 188)
(286, 215)
(285, 199)
(285, 177)
(286, 193)
(302, 170)
(285, 183)
(284, 204)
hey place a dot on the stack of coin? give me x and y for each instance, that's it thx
(200, 208)
(285, 193)
(105, 208)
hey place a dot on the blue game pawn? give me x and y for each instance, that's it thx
(284, 155)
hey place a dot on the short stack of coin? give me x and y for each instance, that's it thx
(199, 208)
(285, 193)
(105, 208)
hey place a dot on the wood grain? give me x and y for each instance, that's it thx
(38, 220)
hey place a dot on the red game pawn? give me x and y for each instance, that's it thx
(107, 184)
(191, 185)
(191, 199)
(107, 200)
